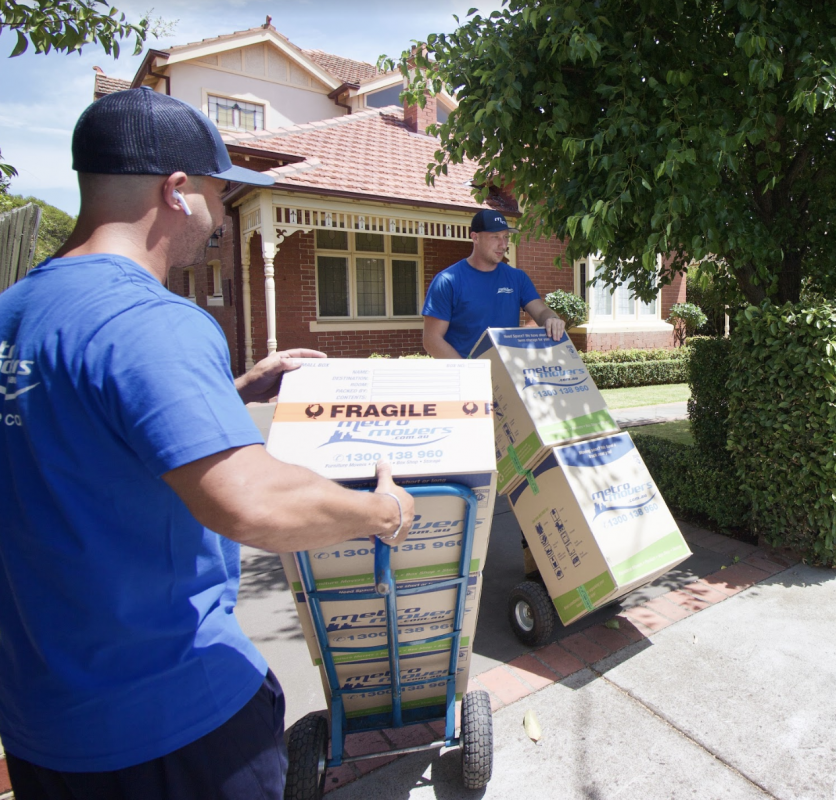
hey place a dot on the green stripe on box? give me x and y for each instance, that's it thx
(584, 598)
(520, 454)
(403, 650)
(444, 570)
(669, 548)
(597, 422)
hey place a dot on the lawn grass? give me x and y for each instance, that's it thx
(678, 431)
(633, 397)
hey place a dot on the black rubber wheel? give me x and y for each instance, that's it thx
(531, 613)
(477, 740)
(307, 750)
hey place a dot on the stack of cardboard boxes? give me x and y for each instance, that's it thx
(591, 514)
(433, 421)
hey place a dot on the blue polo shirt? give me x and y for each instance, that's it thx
(118, 641)
(472, 301)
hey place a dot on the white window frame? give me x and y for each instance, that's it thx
(233, 99)
(387, 256)
(190, 275)
(217, 296)
(615, 321)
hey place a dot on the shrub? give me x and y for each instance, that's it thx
(685, 318)
(694, 484)
(614, 375)
(569, 307)
(708, 406)
(615, 369)
(782, 418)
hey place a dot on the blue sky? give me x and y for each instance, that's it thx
(44, 95)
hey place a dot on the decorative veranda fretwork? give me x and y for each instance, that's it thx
(290, 218)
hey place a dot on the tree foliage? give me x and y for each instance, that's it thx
(67, 25)
(698, 130)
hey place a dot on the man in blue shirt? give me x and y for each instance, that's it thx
(480, 292)
(130, 472)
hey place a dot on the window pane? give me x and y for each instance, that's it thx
(648, 309)
(332, 286)
(332, 240)
(371, 289)
(236, 114)
(601, 299)
(405, 244)
(404, 288)
(369, 242)
(625, 302)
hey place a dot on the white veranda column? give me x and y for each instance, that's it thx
(270, 241)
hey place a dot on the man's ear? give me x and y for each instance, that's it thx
(173, 183)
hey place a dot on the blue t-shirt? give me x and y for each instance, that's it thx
(118, 642)
(473, 301)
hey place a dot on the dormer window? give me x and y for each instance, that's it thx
(236, 115)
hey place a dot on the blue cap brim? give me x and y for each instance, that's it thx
(244, 175)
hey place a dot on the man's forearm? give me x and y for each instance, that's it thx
(247, 495)
(440, 348)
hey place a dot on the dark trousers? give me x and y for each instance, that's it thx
(243, 759)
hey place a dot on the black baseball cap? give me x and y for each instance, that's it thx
(489, 221)
(143, 132)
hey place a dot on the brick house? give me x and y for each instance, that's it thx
(338, 254)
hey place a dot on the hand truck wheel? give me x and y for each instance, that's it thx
(476, 740)
(307, 751)
(531, 613)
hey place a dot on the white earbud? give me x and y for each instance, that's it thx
(182, 200)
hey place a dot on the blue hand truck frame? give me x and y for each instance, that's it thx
(473, 742)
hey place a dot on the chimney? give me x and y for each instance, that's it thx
(415, 117)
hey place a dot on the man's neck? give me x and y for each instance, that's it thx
(481, 264)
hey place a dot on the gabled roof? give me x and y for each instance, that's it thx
(370, 155)
(230, 41)
(346, 69)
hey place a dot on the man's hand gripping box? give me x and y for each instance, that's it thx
(595, 523)
(543, 397)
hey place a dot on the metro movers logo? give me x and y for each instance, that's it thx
(554, 375)
(623, 497)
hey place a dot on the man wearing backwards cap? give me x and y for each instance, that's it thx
(130, 471)
(479, 292)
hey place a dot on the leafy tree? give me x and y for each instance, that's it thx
(55, 227)
(698, 130)
(67, 25)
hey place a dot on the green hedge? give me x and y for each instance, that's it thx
(615, 369)
(694, 484)
(631, 356)
(708, 406)
(782, 424)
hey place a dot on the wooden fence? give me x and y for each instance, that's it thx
(18, 234)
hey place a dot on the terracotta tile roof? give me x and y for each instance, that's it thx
(371, 153)
(232, 35)
(345, 69)
(105, 85)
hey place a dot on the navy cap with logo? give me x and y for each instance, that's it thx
(489, 221)
(143, 132)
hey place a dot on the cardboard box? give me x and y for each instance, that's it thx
(431, 419)
(595, 523)
(418, 662)
(543, 396)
